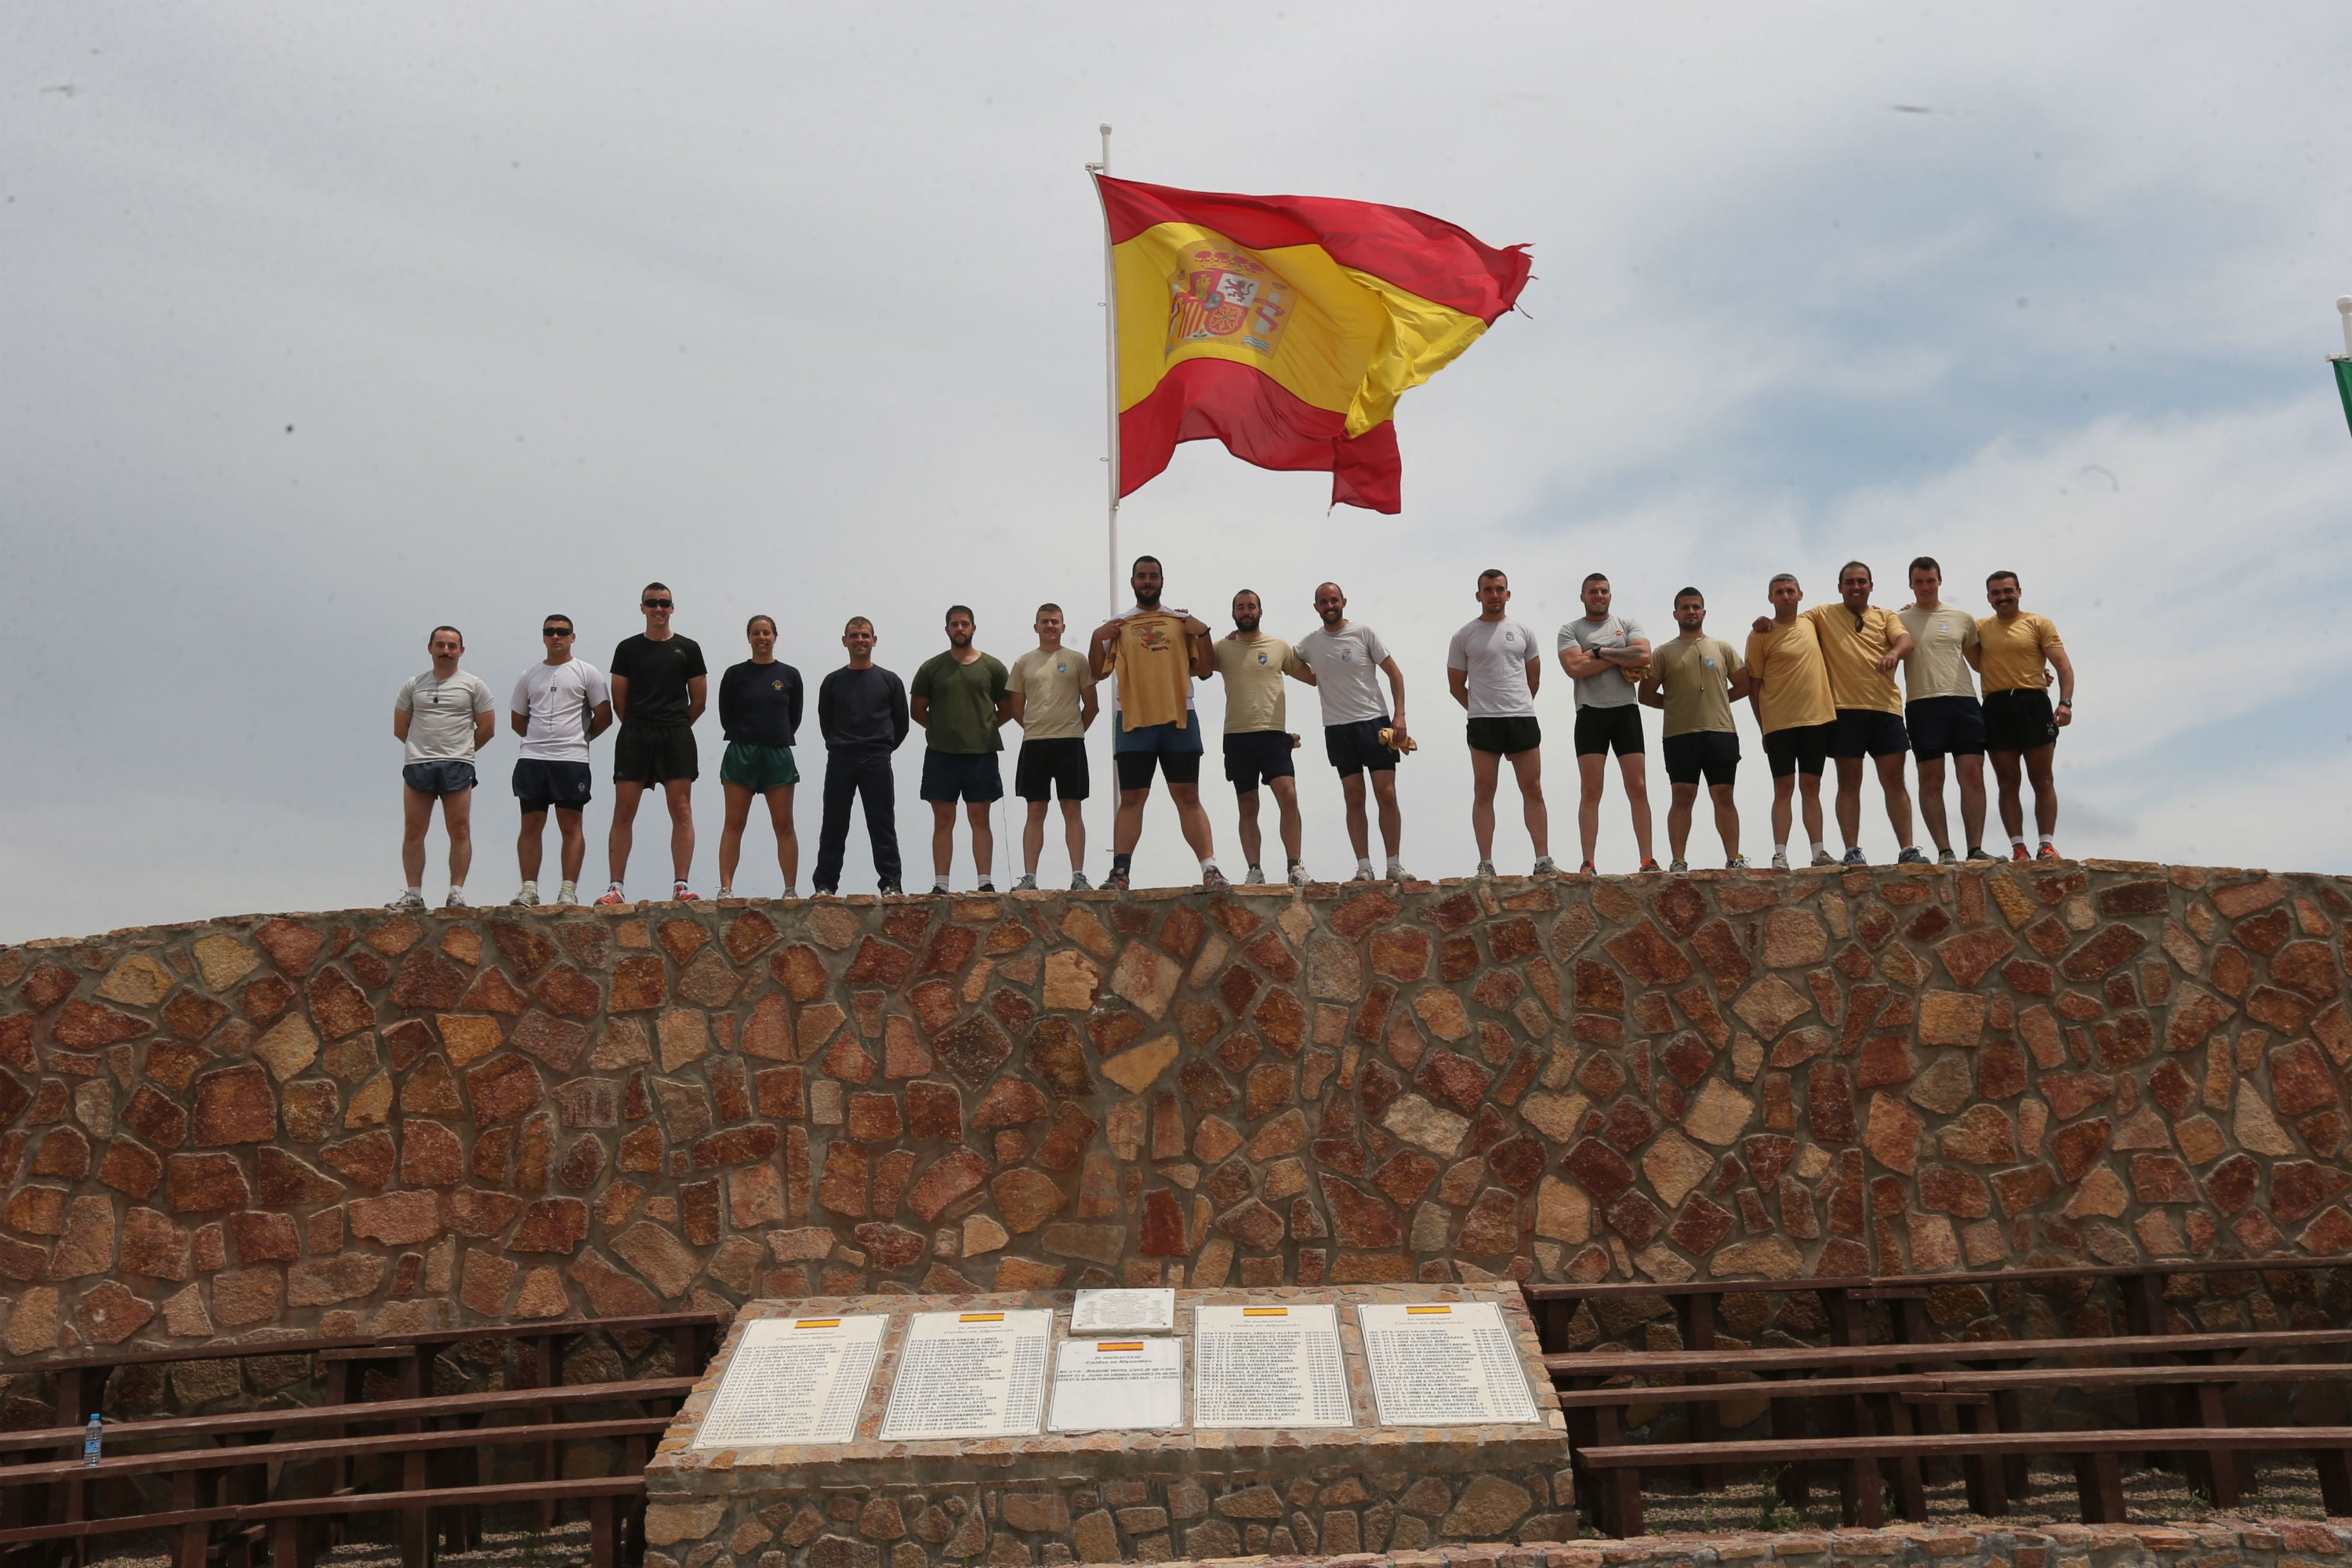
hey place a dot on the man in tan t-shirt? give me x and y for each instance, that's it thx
(1861, 646)
(1257, 743)
(1941, 711)
(1054, 702)
(1695, 679)
(1791, 694)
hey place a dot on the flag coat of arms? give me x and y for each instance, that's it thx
(1287, 327)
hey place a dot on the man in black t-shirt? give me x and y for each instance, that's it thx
(659, 685)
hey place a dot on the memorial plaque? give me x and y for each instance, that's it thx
(1118, 1385)
(969, 1374)
(794, 1380)
(1123, 1312)
(1444, 1364)
(1268, 1366)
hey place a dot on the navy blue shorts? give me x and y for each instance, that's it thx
(1356, 748)
(438, 779)
(1941, 724)
(1711, 753)
(973, 775)
(1257, 755)
(1868, 732)
(540, 782)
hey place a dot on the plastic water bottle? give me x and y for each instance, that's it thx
(89, 1442)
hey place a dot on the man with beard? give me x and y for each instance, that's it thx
(960, 698)
(1257, 743)
(1157, 653)
(1344, 661)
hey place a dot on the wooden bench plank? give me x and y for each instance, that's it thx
(356, 1502)
(1606, 1364)
(1724, 1393)
(183, 1459)
(2144, 1376)
(1938, 1444)
(237, 1350)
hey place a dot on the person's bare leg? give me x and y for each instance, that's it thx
(620, 841)
(1591, 771)
(1391, 816)
(1527, 766)
(942, 838)
(457, 821)
(573, 839)
(1727, 819)
(1849, 799)
(1808, 795)
(1032, 834)
(1245, 815)
(1784, 798)
(1194, 818)
(1931, 802)
(978, 812)
(1074, 834)
(1126, 827)
(788, 838)
(1636, 769)
(1678, 819)
(1359, 832)
(731, 831)
(415, 818)
(1971, 769)
(2039, 772)
(1898, 796)
(1285, 800)
(2007, 769)
(528, 849)
(1486, 768)
(679, 793)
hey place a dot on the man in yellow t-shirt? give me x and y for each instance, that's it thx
(1257, 743)
(1790, 689)
(1053, 701)
(2014, 653)
(1695, 679)
(1861, 646)
(1157, 653)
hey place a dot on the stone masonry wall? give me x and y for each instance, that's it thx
(329, 1123)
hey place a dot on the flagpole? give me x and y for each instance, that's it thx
(1110, 367)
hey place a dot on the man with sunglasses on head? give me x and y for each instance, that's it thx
(660, 688)
(441, 719)
(560, 704)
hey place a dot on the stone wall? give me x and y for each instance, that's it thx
(361, 1121)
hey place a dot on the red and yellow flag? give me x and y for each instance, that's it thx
(1287, 327)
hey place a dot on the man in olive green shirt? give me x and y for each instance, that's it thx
(1055, 703)
(1257, 743)
(960, 698)
(1695, 679)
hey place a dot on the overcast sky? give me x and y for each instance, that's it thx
(324, 323)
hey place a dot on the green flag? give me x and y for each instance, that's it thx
(2343, 363)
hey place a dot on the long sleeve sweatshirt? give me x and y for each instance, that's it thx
(862, 710)
(759, 704)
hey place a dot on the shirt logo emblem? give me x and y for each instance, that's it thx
(1346, 656)
(1261, 659)
(1061, 669)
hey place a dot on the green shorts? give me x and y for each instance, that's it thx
(758, 768)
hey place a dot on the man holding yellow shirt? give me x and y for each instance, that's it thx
(2011, 653)
(1257, 745)
(1157, 653)
(1861, 646)
(1790, 689)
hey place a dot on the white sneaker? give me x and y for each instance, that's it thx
(1025, 885)
(1679, 866)
(1486, 869)
(1823, 858)
(1299, 875)
(409, 900)
(1253, 874)
(1736, 863)
(1078, 883)
(528, 898)
(1780, 859)
(570, 894)
(725, 893)
(1545, 867)
(791, 891)
(1396, 873)
(456, 900)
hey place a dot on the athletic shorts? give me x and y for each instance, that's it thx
(1507, 737)
(972, 776)
(1712, 752)
(758, 768)
(1135, 767)
(1598, 729)
(1802, 748)
(438, 779)
(1356, 748)
(540, 784)
(1252, 755)
(1169, 739)
(655, 754)
(1941, 724)
(1050, 767)
(2019, 720)
(1868, 732)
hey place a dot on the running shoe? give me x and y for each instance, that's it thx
(725, 893)
(2019, 852)
(1914, 856)
(457, 899)
(1736, 863)
(1588, 869)
(1118, 881)
(1823, 858)
(1363, 874)
(683, 894)
(1396, 873)
(569, 895)
(408, 900)
(1978, 852)
(1025, 885)
(1299, 875)
(1854, 856)
(987, 884)
(1649, 862)
(891, 890)
(1945, 857)
(817, 892)
(1078, 883)
(2049, 852)
(1780, 859)
(1486, 869)
(1545, 866)
(613, 896)
(1679, 867)
(1252, 873)
(527, 898)
(1212, 878)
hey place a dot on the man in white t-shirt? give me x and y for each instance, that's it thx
(559, 705)
(1345, 661)
(1493, 668)
(441, 719)
(1604, 654)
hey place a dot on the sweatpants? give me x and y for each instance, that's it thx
(848, 776)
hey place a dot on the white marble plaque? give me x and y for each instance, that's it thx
(1123, 1312)
(1268, 1366)
(969, 1374)
(1118, 1385)
(1444, 1364)
(793, 1380)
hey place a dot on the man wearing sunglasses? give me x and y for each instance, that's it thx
(559, 705)
(660, 686)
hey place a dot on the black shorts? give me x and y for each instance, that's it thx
(1941, 724)
(540, 782)
(655, 754)
(1047, 767)
(1507, 737)
(439, 778)
(1868, 732)
(1714, 753)
(1356, 748)
(1598, 729)
(1135, 767)
(1254, 755)
(2019, 720)
(973, 775)
(1802, 748)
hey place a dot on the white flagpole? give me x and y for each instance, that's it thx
(1110, 367)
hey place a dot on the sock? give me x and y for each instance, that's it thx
(531, 883)
(1396, 867)
(1364, 864)
(1293, 862)
(988, 884)
(571, 887)
(938, 884)
(2045, 840)
(1119, 863)
(1208, 864)
(1819, 845)
(2017, 840)
(1779, 849)
(418, 888)
(460, 887)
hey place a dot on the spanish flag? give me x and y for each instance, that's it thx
(1287, 327)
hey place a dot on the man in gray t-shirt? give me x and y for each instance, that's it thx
(1606, 654)
(1345, 661)
(441, 719)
